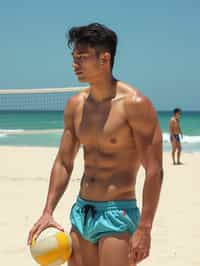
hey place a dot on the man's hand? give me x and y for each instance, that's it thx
(139, 245)
(45, 221)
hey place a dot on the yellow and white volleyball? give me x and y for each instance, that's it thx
(52, 247)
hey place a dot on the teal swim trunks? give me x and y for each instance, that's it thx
(96, 219)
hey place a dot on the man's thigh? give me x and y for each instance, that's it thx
(179, 146)
(84, 253)
(113, 250)
(174, 146)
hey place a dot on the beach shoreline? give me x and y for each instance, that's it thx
(24, 180)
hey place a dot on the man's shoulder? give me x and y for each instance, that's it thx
(173, 120)
(138, 108)
(134, 100)
(77, 99)
(127, 90)
(140, 112)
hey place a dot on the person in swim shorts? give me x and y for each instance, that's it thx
(119, 131)
(175, 132)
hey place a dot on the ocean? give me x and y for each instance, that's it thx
(44, 128)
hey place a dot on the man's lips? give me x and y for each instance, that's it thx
(78, 72)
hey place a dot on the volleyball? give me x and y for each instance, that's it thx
(52, 247)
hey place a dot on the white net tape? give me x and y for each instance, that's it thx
(52, 99)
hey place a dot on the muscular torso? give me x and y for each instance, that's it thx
(175, 126)
(111, 161)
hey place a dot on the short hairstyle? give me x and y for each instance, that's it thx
(177, 110)
(96, 36)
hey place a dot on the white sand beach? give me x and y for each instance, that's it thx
(24, 174)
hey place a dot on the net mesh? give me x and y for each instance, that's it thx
(35, 99)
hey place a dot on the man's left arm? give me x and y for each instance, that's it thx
(147, 134)
(180, 130)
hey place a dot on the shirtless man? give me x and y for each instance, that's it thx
(119, 131)
(175, 131)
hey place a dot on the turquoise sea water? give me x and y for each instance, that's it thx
(44, 128)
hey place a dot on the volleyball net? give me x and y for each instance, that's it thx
(51, 99)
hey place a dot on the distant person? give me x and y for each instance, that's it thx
(175, 132)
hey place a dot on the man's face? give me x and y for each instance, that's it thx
(86, 64)
(177, 115)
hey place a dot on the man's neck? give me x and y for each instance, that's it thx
(103, 89)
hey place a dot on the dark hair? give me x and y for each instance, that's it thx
(177, 110)
(96, 36)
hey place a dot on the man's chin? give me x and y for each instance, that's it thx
(82, 79)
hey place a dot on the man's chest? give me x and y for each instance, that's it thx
(176, 125)
(104, 125)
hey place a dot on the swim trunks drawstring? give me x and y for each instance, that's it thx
(86, 209)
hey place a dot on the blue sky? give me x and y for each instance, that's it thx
(158, 51)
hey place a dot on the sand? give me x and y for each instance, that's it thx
(24, 175)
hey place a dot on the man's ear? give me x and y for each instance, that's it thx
(105, 58)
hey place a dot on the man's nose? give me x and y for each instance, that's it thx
(77, 60)
(75, 65)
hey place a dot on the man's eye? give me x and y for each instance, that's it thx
(83, 56)
(79, 57)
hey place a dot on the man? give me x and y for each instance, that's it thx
(175, 131)
(119, 131)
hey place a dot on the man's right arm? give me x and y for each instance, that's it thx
(63, 164)
(61, 171)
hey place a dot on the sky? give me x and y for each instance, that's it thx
(158, 50)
